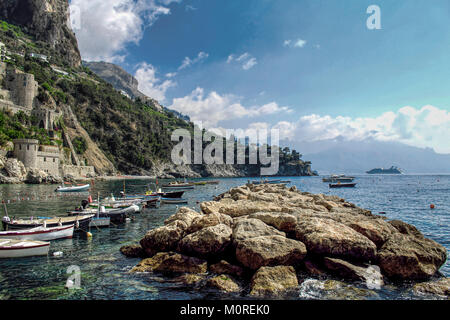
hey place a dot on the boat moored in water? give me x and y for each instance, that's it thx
(343, 185)
(338, 178)
(10, 248)
(39, 233)
(80, 222)
(173, 201)
(73, 188)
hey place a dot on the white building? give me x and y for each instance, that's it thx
(39, 56)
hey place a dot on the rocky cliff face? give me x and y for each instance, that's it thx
(47, 21)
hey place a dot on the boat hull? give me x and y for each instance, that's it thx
(343, 185)
(74, 189)
(83, 224)
(101, 222)
(38, 249)
(40, 234)
(174, 201)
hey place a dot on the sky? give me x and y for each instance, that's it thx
(310, 68)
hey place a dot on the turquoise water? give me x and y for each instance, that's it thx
(104, 271)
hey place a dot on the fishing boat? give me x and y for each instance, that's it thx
(338, 178)
(266, 181)
(100, 222)
(81, 222)
(10, 248)
(73, 188)
(116, 215)
(212, 182)
(343, 185)
(152, 202)
(179, 185)
(173, 201)
(39, 233)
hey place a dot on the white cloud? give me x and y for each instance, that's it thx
(105, 28)
(213, 107)
(187, 62)
(299, 43)
(150, 85)
(246, 60)
(171, 74)
(425, 127)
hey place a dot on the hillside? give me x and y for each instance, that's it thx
(112, 131)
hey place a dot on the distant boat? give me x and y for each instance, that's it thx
(338, 178)
(73, 189)
(39, 233)
(177, 185)
(343, 185)
(391, 170)
(173, 201)
(23, 248)
(268, 181)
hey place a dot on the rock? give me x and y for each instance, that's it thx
(51, 179)
(349, 271)
(252, 228)
(241, 207)
(333, 290)
(36, 176)
(224, 283)
(273, 281)
(326, 238)
(312, 268)
(210, 220)
(9, 180)
(164, 238)
(440, 287)
(184, 214)
(281, 221)
(189, 279)
(132, 251)
(409, 257)
(15, 169)
(170, 262)
(376, 230)
(207, 242)
(223, 267)
(269, 251)
(405, 228)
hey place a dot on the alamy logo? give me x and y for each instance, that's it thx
(374, 20)
(74, 280)
(262, 148)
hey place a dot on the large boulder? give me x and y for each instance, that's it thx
(282, 221)
(241, 207)
(208, 242)
(376, 230)
(326, 237)
(269, 251)
(210, 220)
(439, 287)
(347, 270)
(184, 214)
(15, 169)
(411, 257)
(273, 281)
(224, 283)
(164, 238)
(36, 176)
(252, 228)
(132, 251)
(170, 262)
(224, 267)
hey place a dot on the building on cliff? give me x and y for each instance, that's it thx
(33, 155)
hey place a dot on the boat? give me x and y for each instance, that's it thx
(338, 178)
(391, 170)
(10, 248)
(173, 201)
(267, 181)
(81, 223)
(179, 185)
(212, 182)
(116, 215)
(343, 185)
(152, 202)
(73, 188)
(100, 222)
(40, 233)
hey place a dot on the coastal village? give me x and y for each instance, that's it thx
(26, 159)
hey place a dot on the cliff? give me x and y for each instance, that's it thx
(48, 21)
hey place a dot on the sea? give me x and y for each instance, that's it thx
(104, 271)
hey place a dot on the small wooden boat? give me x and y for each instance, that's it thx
(338, 178)
(199, 183)
(73, 188)
(100, 222)
(343, 185)
(179, 185)
(173, 201)
(80, 222)
(39, 233)
(116, 215)
(23, 248)
(212, 182)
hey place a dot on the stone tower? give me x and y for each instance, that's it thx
(23, 88)
(26, 150)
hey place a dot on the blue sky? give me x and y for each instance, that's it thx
(340, 71)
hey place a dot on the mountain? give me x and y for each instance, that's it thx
(125, 82)
(47, 21)
(357, 157)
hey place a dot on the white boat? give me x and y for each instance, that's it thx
(39, 233)
(100, 222)
(23, 248)
(73, 189)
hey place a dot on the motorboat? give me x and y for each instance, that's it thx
(81, 188)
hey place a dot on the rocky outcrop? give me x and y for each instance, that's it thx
(132, 251)
(437, 287)
(47, 21)
(15, 169)
(260, 236)
(273, 281)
